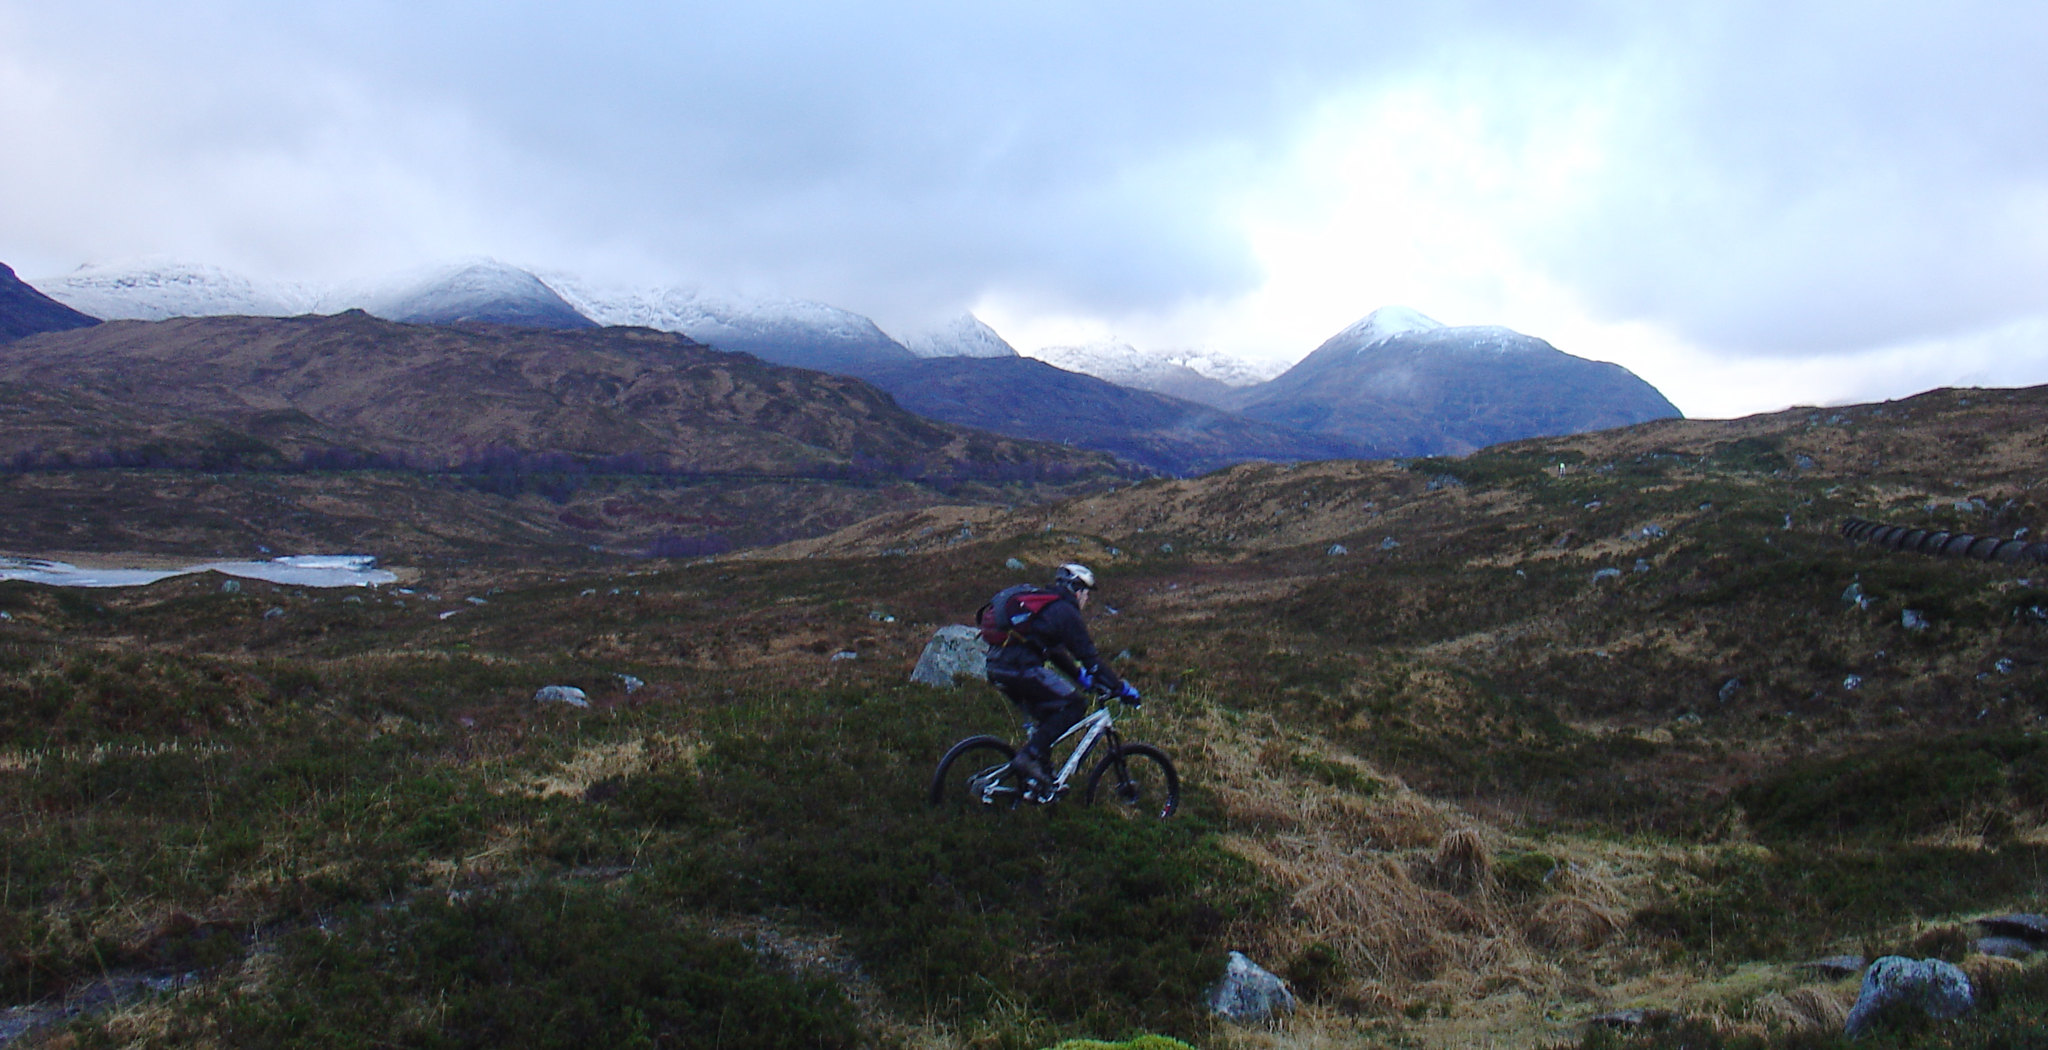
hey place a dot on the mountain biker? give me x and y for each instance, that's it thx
(1017, 670)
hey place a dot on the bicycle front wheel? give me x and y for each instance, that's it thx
(975, 774)
(1136, 780)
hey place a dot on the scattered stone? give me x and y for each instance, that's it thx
(1854, 595)
(1014, 565)
(1938, 988)
(2003, 665)
(845, 654)
(1248, 993)
(588, 592)
(1642, 565)
(1593, 504)
(1834, 966)
(1635, 1019)
(1338, 550)
(953, 651)
(1166, 548)
(1609, 573)
(2004, 947)
(2031, 927)
(632, 685)
(231, 587)
(562, 694)
(1389, 543)
(1912, 620)
(1853, 682)
(1729, 688)
(1802, 462)
(273, 613)
(474, 600)
(449, 613)
(1653, 532)
(1704, 507)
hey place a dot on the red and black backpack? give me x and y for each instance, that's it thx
(1007, 616)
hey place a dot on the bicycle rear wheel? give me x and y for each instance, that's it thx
(975, 774)
(1136, 780)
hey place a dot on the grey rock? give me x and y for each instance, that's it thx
(632, 685)
(1642, 565)
(1338, 549)
(1166, 548)
(845, 654)
(1913, 620)
(273, 612)
(1609, 573)
(1852, 682)
(1633, 1019)
(1937, 988)
(1389, 543)
(1248, 993)
(953, 651)
(2003, 665)
(1853, 595)
(2004, 947)
(1835, 966)
(2030, 927)
(231, 587)
(562, 694)
(1014, 565)
(1654, 532)
(1729, 688)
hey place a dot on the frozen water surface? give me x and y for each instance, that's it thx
(299, 570)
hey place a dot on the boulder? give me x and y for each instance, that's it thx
(954, 650)
(1935, 987)
(1248, 993)
(562, 694)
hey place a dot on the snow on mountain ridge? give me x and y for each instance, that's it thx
(1124, 364)
(963, 336)
(157, 289)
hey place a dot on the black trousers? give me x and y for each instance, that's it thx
(1047, 699)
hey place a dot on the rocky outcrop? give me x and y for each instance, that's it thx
(1932, 986)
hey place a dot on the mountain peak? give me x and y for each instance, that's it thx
(1385, 323)
(963, 336)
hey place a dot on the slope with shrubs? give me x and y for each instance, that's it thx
(1451, 779)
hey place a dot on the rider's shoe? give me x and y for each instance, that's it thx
(1032, 770)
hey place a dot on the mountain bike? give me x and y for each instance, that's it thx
(1137, 779)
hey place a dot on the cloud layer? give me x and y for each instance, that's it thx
(1690, 189)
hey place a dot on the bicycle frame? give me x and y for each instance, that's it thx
(1094, 728)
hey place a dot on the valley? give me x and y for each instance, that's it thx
(1475, 750)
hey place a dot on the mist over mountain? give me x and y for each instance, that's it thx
(1400, 381)
(25, 311)
(1207, 378)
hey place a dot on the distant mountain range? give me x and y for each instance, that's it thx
(1395, 383)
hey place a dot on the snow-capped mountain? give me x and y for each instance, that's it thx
(1400, 381)
(780, 330)
(481, 290)
(1207, 378)
(153, 290)
(963, 336)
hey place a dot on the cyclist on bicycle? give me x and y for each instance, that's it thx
(1017, 669)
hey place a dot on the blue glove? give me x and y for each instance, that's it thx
(1087, 680)
(1129, 695)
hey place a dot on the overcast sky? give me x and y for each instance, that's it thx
(1751, 205)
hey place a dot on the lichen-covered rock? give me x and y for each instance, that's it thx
(954, 650)
(1935, 987)
(1248, 993)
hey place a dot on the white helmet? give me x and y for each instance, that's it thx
(1074, 576)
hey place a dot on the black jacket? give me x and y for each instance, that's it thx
(1057, 634)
